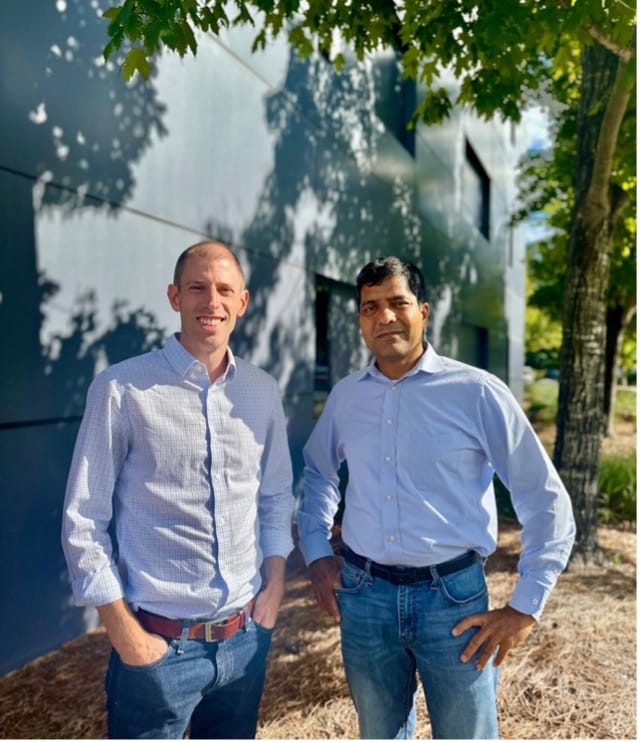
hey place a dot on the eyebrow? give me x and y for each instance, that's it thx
(396, 297)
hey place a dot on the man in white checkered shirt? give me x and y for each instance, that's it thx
(185, 450)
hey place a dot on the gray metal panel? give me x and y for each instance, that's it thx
(103, 184)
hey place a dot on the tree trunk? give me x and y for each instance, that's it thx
(582, 360)
(615, 325)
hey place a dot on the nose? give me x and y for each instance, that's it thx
(386, 315)
(213, 297)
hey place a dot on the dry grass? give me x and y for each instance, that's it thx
(575, 677)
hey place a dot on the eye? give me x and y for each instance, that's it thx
(368, 310)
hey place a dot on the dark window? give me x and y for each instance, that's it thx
(474, 345)
(476, 191)
(321, 370)
(482, 347)
(339, 349)
(395, 99)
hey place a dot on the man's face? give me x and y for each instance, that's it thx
(392, 322)
(210, 297)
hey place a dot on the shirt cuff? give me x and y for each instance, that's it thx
(276, 543)
(315, 546)
(98, 588)
(529, 597)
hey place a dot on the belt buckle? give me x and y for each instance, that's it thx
(209, 626)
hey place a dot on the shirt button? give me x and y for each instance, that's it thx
(388, 458)
(388, 498)
(392, 538)
(535, 601)
(389, 420)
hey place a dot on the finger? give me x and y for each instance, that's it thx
(501, 654)
(473, 646)
(468, 622)
(486, 655)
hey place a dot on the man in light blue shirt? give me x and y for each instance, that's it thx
(185, 450)
(422, 436)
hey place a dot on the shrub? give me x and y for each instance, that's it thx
(618, 489)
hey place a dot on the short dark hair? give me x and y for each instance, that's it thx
(378, 270)
(182, 258)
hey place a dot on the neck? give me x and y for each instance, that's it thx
(395, 368)
(215, 360)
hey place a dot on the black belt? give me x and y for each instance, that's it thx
(410, 575)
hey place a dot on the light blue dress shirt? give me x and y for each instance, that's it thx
(198, 476)
(421, 452)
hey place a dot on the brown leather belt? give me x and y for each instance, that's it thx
(209, 631)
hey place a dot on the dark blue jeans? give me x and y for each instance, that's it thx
(391, 633)
(215, 687)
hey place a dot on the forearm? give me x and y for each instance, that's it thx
(271, 595)
(134, 645)
(273, 574)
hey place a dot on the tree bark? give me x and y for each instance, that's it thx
(604, 98)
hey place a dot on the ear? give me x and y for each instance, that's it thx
(244, 300)
(172, 295)
(425, 313)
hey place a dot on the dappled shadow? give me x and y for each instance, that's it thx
(606, 581)
(341, 192)
(72, 131)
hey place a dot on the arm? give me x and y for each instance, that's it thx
(100, 450)
(271, 595)
(275, 509)
(540, 500)
(318, 507)
(325, 576)
(544, 510)
(134, 645)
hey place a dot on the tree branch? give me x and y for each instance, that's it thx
(608, 136)
(624, 52)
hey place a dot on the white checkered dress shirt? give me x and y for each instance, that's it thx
(197, 477)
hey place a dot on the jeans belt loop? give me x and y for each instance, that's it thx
(247, 618)
(183, 637)
(435, 575)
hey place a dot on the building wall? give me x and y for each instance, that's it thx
(103, 184)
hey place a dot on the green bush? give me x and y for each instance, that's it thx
(626, 404)
(617, 473)
(541, 398)
(618, 489)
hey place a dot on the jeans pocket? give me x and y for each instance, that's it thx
(464, 586)
(151, 665)
(263, 629)
(352, 579)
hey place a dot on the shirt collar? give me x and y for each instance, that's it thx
(430, 363)
(191, 368)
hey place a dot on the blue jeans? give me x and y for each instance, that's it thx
(214, 686)
(389, 633)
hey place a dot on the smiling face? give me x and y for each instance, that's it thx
(210, 295)
(392, 323)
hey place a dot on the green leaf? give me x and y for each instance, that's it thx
(112, 13)
(136, 61)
